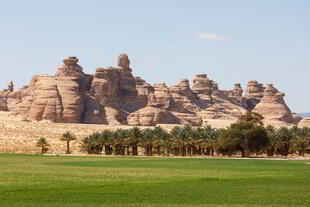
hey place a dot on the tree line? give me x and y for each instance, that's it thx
(246, 137)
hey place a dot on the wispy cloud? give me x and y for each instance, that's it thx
(211, 36)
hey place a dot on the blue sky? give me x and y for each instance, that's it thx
(167, 40)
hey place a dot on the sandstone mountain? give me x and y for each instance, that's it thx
(113, 96)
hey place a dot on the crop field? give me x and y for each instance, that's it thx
(63, 181)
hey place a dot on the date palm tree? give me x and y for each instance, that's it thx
(147, 141)
(134, 136)
(43, 143)
(68, 137)
(120, 142)
(90, 144)
(181, 138)
(106, 139)
(210, 136)
(162, 141)
(284, 135)
(272, 140)
(300, 140)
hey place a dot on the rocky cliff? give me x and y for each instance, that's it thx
(113, 96)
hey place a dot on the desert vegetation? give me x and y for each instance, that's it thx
(247, 137)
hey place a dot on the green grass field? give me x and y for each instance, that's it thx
(32, 180)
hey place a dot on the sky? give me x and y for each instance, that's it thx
(233, 41)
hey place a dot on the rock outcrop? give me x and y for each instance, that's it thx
(184, 99)
(253, 94)
(305, 122)
(237, 95)
(162, 96)
(151, 116)
(145, 92)
(273, 107)
(113, 96)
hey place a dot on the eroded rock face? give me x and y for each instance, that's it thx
(46, 102)
(202, 84)
(184, 99)
(272, 106)
(253, 94)
(145, 93)
(305, 122)
(162, 96)
(151, 116)
(123, 60)
(254, 89)
(52, 98)
(113, 96)
(222, 107)
(237, 95)
(113, 84)
(3, 102)
(189, 118)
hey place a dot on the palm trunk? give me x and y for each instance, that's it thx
(107, 150)
(302, 152)
(208, 151)
(158, 151)
(199, 150)
(150, 150)
(270, 151)
(243, 154)
(68, 147)
(183, 150)
(134, 150)
(146, 149)
(189, 151)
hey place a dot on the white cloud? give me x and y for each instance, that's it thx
(210, 36)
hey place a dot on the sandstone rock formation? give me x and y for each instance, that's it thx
(237, 95)
(113, 96)
(145, 92)
(184, 99)
(273, 107)
(151, 116)
(253, 94)
(305, 122)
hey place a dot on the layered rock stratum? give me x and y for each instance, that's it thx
(113, 96)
